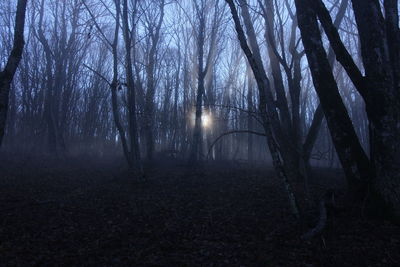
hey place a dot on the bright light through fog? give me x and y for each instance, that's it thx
(206, 120)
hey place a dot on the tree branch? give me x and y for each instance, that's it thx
(229, 133)
(342, 55)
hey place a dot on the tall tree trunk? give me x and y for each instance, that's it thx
(133, 129)
(379, 38)
(352, 157)
(250, 120)
(379, 87)
(289, 149)
(174, 140)
(318, 117)
(265, 104)
(7, 75)
(197, 143)
(49, 109)
(151, 84)
(114, 89)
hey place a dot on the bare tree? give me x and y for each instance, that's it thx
(7, 74)
(203, 67)
(379, 171)
(133, 128)
(154, 24)
(267, 106)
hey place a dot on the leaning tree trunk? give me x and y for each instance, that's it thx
(312, 134)
(379, 40)
(355, 162)
(265, 106)
(289, 149)
(7, 75)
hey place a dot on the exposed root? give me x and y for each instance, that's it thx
(328, 201)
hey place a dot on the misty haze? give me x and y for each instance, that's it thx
(199, 133)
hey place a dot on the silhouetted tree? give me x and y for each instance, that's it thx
(7, 74)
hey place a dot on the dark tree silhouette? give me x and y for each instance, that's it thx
(7, 74)
(379, 171)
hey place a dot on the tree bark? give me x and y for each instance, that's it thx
(263, 87)
(133, 128)
(380, 55)
(197, 143)
(7, 75)
(151, 86)
(379, 88)
(355, 162)
(250, 120)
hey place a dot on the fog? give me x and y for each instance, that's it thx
(304, 94)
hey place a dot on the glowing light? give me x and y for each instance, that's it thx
(206, 120)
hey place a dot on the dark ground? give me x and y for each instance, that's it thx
(91, 213)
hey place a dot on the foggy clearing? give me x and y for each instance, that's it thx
(199, 133)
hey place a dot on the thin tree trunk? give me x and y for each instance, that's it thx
(263, 87)
(250, 120)
(197, 143)
(151, 85)
(133, 129)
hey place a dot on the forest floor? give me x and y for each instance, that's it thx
(82, 212)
